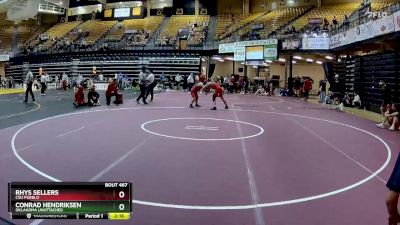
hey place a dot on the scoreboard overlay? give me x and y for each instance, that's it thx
(70, 200)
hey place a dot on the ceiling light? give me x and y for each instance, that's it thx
(310, 60)
(60, 3)
(229, 58)
(268, 61)
(328, 57)
(297, 57)
(339, 60)
(282, 60)
(318, 62)
(294, 61)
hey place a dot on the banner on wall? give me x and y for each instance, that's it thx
(349, 36)
(364, 31)
(271, 52)
(320, 43)
(239, 53)
(291, 44)
(383, 25)
(4, 58)
(257, 42)
(396, 18)
(226, 48)
(337, 40)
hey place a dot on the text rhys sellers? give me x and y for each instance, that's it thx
(36, 192)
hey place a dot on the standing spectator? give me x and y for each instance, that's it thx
(334, 22)
(178, 79)
(151, 84)
(162, 81)
(190, 81)
(322, 90)
(246, 84)
(346, 22)
(142, 86)
(307, 88)
(29, 82)
(64, 81)
(43, 83)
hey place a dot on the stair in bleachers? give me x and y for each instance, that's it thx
(211, 29)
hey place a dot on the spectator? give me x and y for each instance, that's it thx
(43, 83)
(391, 118)
(178, 79)
(29, 82)
(190, 81)
(387, 99)
(357, 100)
(346, 22)
(335, 22)
(79, 80)
(65, 80)
(322, 90)
(93, 97)
(293, 29)
(326, 24)
(392, 200)
(112, 90)
(307, 88)
(79, 97)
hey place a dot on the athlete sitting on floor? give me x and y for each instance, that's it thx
(218, 92)
(194, 92)
(79, 97)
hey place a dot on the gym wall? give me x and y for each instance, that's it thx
(316, 72)
(230, 7)
(343, 1)
(262, 5)
(225, 68)
(2, 69)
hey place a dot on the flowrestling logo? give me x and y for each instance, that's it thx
(371, 14)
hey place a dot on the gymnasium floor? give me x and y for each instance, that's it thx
(267, 160)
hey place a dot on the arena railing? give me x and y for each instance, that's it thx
(390, 9)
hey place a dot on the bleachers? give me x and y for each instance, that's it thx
(327, 11)
(56, 32)
(150, 24)
(6, 39)
(379, 5)
(276, 19)
(96, 29)
(177, 22)
(238, 23)
(224, 21)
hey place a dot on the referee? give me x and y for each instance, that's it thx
(29, 82)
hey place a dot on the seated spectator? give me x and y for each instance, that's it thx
(356, 100)
(79, 97)
(261, 91)
(391, 119)
(339, 106)
(93, 97)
